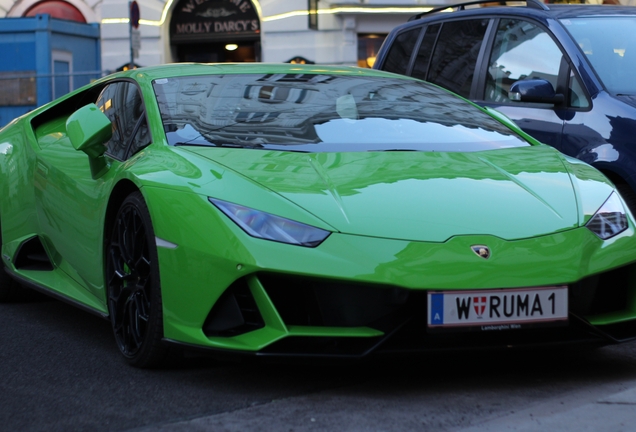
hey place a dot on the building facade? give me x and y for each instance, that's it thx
(347, 32)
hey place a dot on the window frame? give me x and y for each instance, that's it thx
(143, 117)
(61, 56)
(416, 50)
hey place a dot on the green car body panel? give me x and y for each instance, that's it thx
(398, 219)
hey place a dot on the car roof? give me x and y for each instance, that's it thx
(532, 7)
(190, 69)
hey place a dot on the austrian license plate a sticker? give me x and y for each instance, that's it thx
(505, 309)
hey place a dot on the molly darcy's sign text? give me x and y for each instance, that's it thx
(217, 27)
(200, 17)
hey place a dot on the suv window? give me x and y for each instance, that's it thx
(521, 50)
(398, 58)
(577, 98)
(423, 58)
(453, 62)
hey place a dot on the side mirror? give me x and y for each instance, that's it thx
(534, 90)
(88, 129)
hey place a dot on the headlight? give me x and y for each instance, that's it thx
(610, 219)
(269, 227)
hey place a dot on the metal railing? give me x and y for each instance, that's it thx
(27, 88)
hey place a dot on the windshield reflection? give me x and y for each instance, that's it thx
(318, 113)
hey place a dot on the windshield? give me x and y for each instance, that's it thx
(610, 45)
(317, 113)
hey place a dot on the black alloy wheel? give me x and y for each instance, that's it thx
(134, 292)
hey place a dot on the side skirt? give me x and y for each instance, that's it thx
(44, 290)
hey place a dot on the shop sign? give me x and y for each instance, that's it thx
(211, 19)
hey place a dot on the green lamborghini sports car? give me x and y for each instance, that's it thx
(282, 210)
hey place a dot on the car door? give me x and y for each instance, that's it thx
(71, 203)
(521, 49)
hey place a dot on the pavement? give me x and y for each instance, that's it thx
(581, 410)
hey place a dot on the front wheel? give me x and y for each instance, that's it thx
(134, 291)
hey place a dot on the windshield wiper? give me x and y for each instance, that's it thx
(275, 147)
(230, 145)
(397, 150)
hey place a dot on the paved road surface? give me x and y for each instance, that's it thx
(60, 370)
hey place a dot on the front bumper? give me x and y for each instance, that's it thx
(352, 295)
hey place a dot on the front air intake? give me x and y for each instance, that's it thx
(332, 303)
(234, 313)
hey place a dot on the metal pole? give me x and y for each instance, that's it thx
(130, 30)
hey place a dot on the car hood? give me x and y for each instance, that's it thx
(628, 99)
(420, 196)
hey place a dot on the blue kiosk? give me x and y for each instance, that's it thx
(44, 58)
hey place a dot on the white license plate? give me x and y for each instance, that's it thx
(501, 309)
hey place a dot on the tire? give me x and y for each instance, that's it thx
(629, 196)
(133, 285)
(8, 287)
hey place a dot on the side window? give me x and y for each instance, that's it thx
(142, 137)
(121, 102)
(577, 95)
(424, 53)
(521, 50)
(400, 53)
(455, 55)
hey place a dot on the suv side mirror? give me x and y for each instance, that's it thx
(534, 90)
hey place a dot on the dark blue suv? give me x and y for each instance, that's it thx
(566, 74)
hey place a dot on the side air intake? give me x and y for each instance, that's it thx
(32, 256)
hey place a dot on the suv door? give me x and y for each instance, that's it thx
(521, 50)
